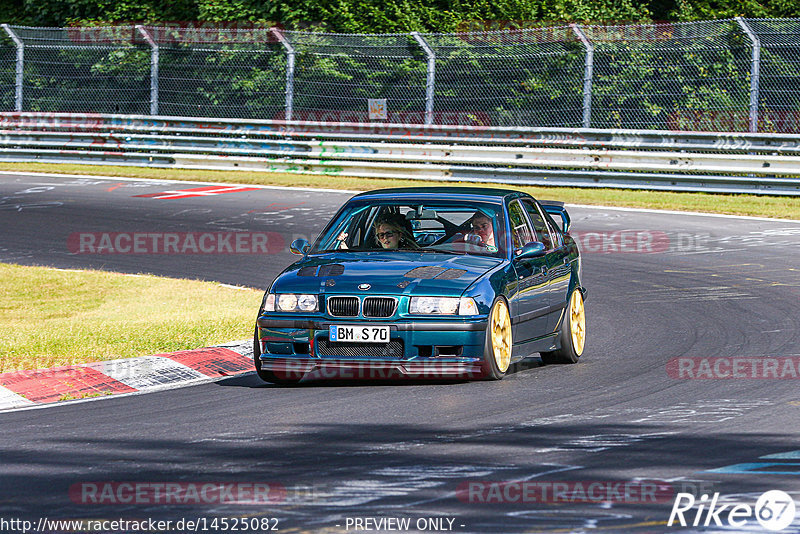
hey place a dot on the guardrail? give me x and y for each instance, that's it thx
(639, 159)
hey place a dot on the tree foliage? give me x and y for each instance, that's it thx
(386, 16)
(655, 76)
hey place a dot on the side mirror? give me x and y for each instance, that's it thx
(300, 246)
(534, 249)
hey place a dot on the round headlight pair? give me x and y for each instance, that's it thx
(443, 305)
(288, 302)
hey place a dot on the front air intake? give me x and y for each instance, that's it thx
(326, 348)
(343, 306)
(379, 306)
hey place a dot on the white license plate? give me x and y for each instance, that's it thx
(359, 334)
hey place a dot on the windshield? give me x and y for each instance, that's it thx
(450, 227)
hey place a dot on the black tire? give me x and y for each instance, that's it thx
(263, 374)
(497, 348)
(572, 334)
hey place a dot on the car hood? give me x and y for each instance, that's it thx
(387, 273)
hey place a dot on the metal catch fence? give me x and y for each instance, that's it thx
(761, 163)
(725, 75)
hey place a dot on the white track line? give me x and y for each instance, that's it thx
(167, 181)
(676, 212)
(351, 192)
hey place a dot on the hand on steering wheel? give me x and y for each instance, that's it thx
(474, 239)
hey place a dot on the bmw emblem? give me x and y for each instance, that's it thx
(364, 287)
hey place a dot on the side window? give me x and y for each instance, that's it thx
(361, 226)
(520, 231)
(555, 230)
(539, 224)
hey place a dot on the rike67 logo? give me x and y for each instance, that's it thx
(774, 510)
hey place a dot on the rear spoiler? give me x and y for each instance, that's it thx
(554, 207)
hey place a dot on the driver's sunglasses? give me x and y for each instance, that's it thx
(385, 234)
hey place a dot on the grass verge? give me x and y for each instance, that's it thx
(50, 317)
(781, 207)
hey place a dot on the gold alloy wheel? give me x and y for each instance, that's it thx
(577, 322)
(501, 336)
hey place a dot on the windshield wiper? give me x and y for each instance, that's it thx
(441, 251)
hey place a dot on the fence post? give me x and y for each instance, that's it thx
(20, 66)
(289, 104)
(430, 83)
(587, 76)
(153, 68)
(755, 73)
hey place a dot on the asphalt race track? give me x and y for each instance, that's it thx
(639, 413)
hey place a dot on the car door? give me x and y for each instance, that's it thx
(558, 262)
(531, 299)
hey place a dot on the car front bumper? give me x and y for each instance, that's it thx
(359, 369)
(417, 349)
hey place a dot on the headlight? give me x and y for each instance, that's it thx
(269, 302)
(424, 305)
(307, 302)
(443, 305)
(289, 302)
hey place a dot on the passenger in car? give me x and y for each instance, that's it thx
(481, 230)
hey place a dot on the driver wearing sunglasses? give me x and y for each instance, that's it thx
(391, 234)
